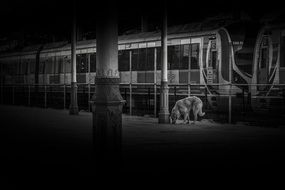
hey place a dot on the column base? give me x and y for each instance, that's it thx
(107, 123)
(73, 111)
(73, 108)
(163, 118)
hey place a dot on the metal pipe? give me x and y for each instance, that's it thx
(73, 110)
(130, 85)
(45, 96)
(64, 96)
(230, 90)
(189, 68)
(154, 80)
(164, 99)
(29, 95)
(13, 95)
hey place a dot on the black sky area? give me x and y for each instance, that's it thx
(42, 19)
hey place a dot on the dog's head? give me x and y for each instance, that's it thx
(174, 116)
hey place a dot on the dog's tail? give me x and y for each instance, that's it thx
(201, 114)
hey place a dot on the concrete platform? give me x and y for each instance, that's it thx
(48, 144)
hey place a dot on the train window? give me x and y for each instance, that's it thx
(81, 63)
(124, 60)
(59, 61)
(23, 67)
(275, 54)
(18, 67)
(135, 59)
(93, 62)
(185, 50)
(11, 68)
(67, 63)
(49, 65)
(55, 63)
(214, 59)
(142, 60)
(158, 58)
(174, 56)
(32, 65)
(41, 66)
(150, 59)
(264, 57)
(195, 56)
(282, 52)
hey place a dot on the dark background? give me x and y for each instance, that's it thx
(50, 20)
(34, 22)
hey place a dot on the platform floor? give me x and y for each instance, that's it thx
(53, 145)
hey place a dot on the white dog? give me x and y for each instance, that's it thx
(182, 108)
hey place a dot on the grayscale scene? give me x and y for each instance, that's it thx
(114, 92)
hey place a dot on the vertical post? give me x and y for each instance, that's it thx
(29, 95)
(230, 104)
(2, 93)
(45, 96)
(108, 102)
(155, 97)
(13, 95)
(64, 96)
(189, 68)
(206, 96)
(175, 93)
(230, 81)
(243, 101)
(164, 101)
(73, 109)
(131, 78)
(89, 105)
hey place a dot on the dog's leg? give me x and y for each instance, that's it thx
(195, 112)
(185, 117)
(188, 117)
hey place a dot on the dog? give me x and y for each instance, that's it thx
(183, 107)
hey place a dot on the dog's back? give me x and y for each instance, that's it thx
(197, 105)
(184, 106)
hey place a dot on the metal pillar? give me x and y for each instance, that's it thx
(130, 86)
(155, 87)
(163, 116)
(107, 100)
(189, 68)
(230, 83)
(73, 109)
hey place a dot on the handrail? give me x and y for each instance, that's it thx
(157, 84)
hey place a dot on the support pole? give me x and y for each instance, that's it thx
(29, 95)
(13, 95)
(230, 81)
(45, 96)
(189, 68)
(164, 112)
(131, 79)
(64, 96)
(107, 100)
(73, 109)
(155, 90)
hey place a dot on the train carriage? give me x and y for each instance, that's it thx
(199, 63)
(268, 69)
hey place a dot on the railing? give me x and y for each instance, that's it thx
(143, 98)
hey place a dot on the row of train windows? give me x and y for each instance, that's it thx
(142, 60)
(62, 64)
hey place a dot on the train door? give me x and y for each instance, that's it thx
(263, 63)
(211, 67)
